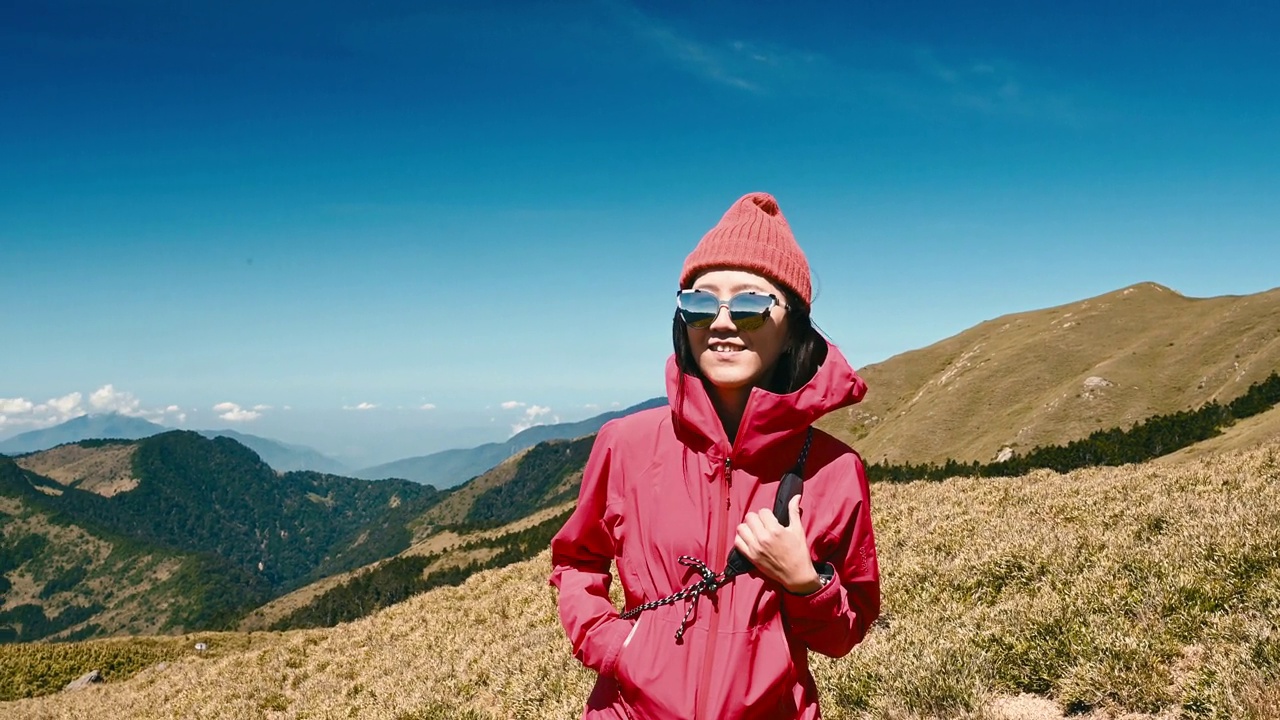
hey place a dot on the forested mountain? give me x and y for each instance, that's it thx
(234, 532)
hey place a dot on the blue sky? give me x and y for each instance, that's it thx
(207, 208)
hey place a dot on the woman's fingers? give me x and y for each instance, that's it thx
(748, 536)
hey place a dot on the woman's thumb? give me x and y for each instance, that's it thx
(793, 512)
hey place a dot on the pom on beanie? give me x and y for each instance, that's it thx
(753, 235)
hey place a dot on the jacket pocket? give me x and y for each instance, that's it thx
(755, 675)
(656, 676)
(626, 643)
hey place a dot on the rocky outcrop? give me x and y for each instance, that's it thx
(93, 677)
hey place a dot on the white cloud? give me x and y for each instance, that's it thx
(15, 405)
(361, 406)
(108, 399)
(723, 63)
(591, 406)
(531, 418)
(231, 412)
(512, 405)
(67, 404)
(260, 408)
(427, 406)
(22, 413)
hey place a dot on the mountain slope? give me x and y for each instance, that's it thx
(1141, 592)
(1053, 375)
(65, 578)
(239, 532)
(85, 427)
(450, 467)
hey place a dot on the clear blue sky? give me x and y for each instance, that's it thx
(321, 205)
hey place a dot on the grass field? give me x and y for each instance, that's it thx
(1140, 592)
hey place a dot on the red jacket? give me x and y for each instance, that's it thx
(654, 490)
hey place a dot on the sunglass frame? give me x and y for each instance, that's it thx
(751, 318)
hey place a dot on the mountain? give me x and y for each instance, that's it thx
(448, 468)
(85, 523)
(1124, 356)
(1141, 591)
(283, 457)
(1049, 376)
(85, 427)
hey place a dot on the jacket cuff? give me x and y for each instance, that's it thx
(825, 603)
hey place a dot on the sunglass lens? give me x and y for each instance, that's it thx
(698, 308)
(749, 310)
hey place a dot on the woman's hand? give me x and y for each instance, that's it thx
(779, 553)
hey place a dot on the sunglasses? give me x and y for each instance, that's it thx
(748, 310)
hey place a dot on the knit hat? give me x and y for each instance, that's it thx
(753, 235)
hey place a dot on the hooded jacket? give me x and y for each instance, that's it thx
(668, 482)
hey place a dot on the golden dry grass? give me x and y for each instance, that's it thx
(105, 470)
(1148, 591)
(1023, 380)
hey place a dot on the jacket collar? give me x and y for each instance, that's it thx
(770, 421)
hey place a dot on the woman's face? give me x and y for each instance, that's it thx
(729, 358)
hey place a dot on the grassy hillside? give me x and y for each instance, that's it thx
(1145, 591)
(1048, 376)
(104, 467)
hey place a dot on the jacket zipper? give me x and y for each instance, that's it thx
(718, 552)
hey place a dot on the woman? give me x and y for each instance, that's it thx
(696, 480)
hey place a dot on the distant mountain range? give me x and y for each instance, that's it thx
(448, 468)
(85, 427)
(282, 457)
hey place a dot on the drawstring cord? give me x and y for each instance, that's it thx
(710, 582)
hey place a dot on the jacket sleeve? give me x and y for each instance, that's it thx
(580, 557)
(837, 617)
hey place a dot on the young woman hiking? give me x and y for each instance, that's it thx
(668, 493)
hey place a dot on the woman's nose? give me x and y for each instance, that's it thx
(723, 321)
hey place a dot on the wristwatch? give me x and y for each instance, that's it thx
(825, 573)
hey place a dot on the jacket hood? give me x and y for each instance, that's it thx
(770, 420)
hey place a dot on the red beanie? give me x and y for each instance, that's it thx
(753, 235)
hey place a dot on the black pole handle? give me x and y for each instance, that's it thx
(790, 487)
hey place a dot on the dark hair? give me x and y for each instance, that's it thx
(803, 352)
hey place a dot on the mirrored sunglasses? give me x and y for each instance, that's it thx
(748, 310)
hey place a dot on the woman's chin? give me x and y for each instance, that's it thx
(728, 375)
